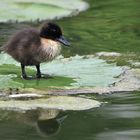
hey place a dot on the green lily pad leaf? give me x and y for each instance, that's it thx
(32, 10)
(87, 71)
(7, 82)
(58, 102)
(10, 69)
(11, 78)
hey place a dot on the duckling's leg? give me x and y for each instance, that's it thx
(23, 71)
(38, 74)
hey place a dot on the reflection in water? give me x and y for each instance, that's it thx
(48, 127)
(120, 135)
(118, 119)
(46, 122)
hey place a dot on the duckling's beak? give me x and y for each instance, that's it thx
(63, 40)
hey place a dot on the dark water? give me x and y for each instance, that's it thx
(118, 119)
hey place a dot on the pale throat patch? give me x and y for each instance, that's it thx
(49, 43)
(51, 48)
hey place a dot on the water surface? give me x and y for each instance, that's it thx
(118, 119)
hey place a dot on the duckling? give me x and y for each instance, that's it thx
(31, 47)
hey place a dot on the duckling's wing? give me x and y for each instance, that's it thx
(23, 39)
(23, 45)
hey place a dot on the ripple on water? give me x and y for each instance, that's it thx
(133, 134)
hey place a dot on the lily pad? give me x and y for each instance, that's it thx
(32, 10)
(87, 71)
(58, 102)
(25, 96)
(11, 78)
(7, 82)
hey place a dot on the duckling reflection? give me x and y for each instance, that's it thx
(46, 122)
(49, 127)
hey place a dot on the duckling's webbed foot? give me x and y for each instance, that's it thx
(40, 75)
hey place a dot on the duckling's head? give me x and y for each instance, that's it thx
(53, 31)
